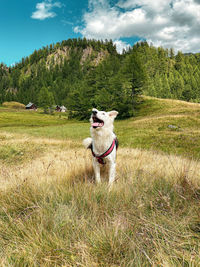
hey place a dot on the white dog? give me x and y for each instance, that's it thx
(103, 143)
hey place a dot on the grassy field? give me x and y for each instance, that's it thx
(53, 214)
(149, 129)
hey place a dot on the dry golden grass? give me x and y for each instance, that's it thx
(14, 105)
(53, 214)
(62, 159)
(60, 163)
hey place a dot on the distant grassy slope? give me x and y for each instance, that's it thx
(149, 129)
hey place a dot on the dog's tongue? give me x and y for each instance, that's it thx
(97, 124)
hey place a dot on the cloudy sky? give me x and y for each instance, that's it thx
(26, 25)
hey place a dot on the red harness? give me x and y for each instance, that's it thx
(100, 158)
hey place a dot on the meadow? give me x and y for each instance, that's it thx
(53, 214)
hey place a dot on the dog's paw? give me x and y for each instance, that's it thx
(87, 142)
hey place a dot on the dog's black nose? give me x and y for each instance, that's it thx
(94, 112)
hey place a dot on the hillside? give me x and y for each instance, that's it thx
(62, 68)
(83, 73)
(52, 213)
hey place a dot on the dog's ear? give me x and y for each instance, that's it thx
(113, 114)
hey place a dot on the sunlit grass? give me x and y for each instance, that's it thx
(53, 214)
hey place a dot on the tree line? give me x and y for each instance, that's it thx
(82, 74)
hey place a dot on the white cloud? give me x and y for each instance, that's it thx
(44, 10)
(120, 46)
(167, 23)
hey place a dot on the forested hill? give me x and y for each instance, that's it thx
(83, 73)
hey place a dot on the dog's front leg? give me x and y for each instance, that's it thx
(96, 168)
(112, 166)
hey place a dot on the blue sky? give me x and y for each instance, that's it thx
(21, 34)
(26, 25)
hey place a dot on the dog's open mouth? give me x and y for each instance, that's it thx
(97, 122)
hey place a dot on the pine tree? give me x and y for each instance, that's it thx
(166, 88)
(171, 53)
(45, 99)
(135, 74)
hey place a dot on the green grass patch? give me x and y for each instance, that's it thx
(156, 135)
(15, 118)
(17, 153)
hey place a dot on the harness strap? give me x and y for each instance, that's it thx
(105, 154)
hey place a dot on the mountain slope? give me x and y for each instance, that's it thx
(60, 67)
(82, 73)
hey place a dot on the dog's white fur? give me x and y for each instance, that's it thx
(102, 138)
